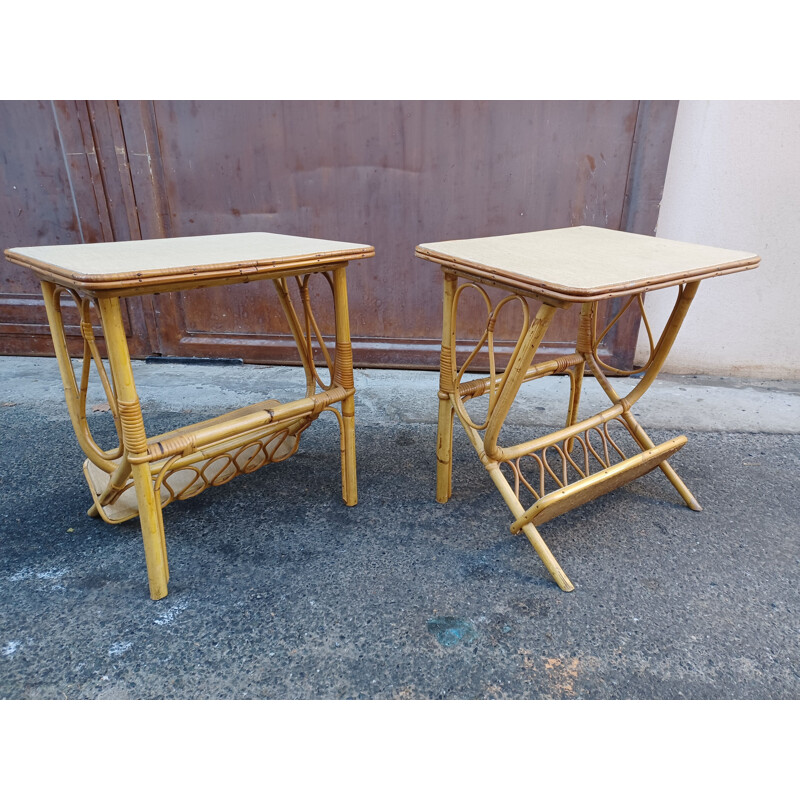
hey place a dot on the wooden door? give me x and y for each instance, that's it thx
(59, 186)
(391, 174)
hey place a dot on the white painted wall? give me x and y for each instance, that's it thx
(733, 181)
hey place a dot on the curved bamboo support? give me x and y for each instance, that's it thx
(311, 326)
(91, 354)
(117, 483)
(597, 340)
(645, 442)
(74, 394)
(494, 383)
(666, 340)
(686, 294)
(307, 332)
(516, 371)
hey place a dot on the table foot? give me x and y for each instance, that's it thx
(348, 439)
(542, 550)
(444, 451)
(645, 441)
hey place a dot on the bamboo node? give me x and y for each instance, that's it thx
(133, 434)
(563, 363)
(585, 341)
(179, 445)
(344, 365)
(446, 370)
(320, 405)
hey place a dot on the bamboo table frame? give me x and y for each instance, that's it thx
(560, 268)
(143, 474)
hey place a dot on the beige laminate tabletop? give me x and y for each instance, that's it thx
(175, 260)
(584, 263)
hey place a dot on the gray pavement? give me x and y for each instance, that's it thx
(280, 591)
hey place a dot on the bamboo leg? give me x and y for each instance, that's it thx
(517, 509)
(575, 386)
(542, 550)
(583, 345)
(444, 435)
(646, 442)
(343, 376)
(444, 451)
(297, 332)
(685, 296)
(516, 372)
(135, 442)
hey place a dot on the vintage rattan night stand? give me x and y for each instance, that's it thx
(560, 268)
(142, 474)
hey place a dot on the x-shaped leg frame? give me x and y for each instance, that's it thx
(589, 460)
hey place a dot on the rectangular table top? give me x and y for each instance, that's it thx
(189, 259)
(584, 263)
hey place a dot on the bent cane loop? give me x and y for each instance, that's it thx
(75, 396)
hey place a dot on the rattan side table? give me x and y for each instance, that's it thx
(560, 268)
(141, 475)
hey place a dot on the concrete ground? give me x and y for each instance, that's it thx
(280, 591)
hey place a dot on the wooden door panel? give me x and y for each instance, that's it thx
(53, 192)
(387, 173)
(33, 207)
(391, 174)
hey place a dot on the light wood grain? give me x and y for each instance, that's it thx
(183, 260)
(584, 262)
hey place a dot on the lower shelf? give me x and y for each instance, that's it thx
(599, 483)
(188, 481)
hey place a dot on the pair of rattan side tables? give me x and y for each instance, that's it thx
(556, 268)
